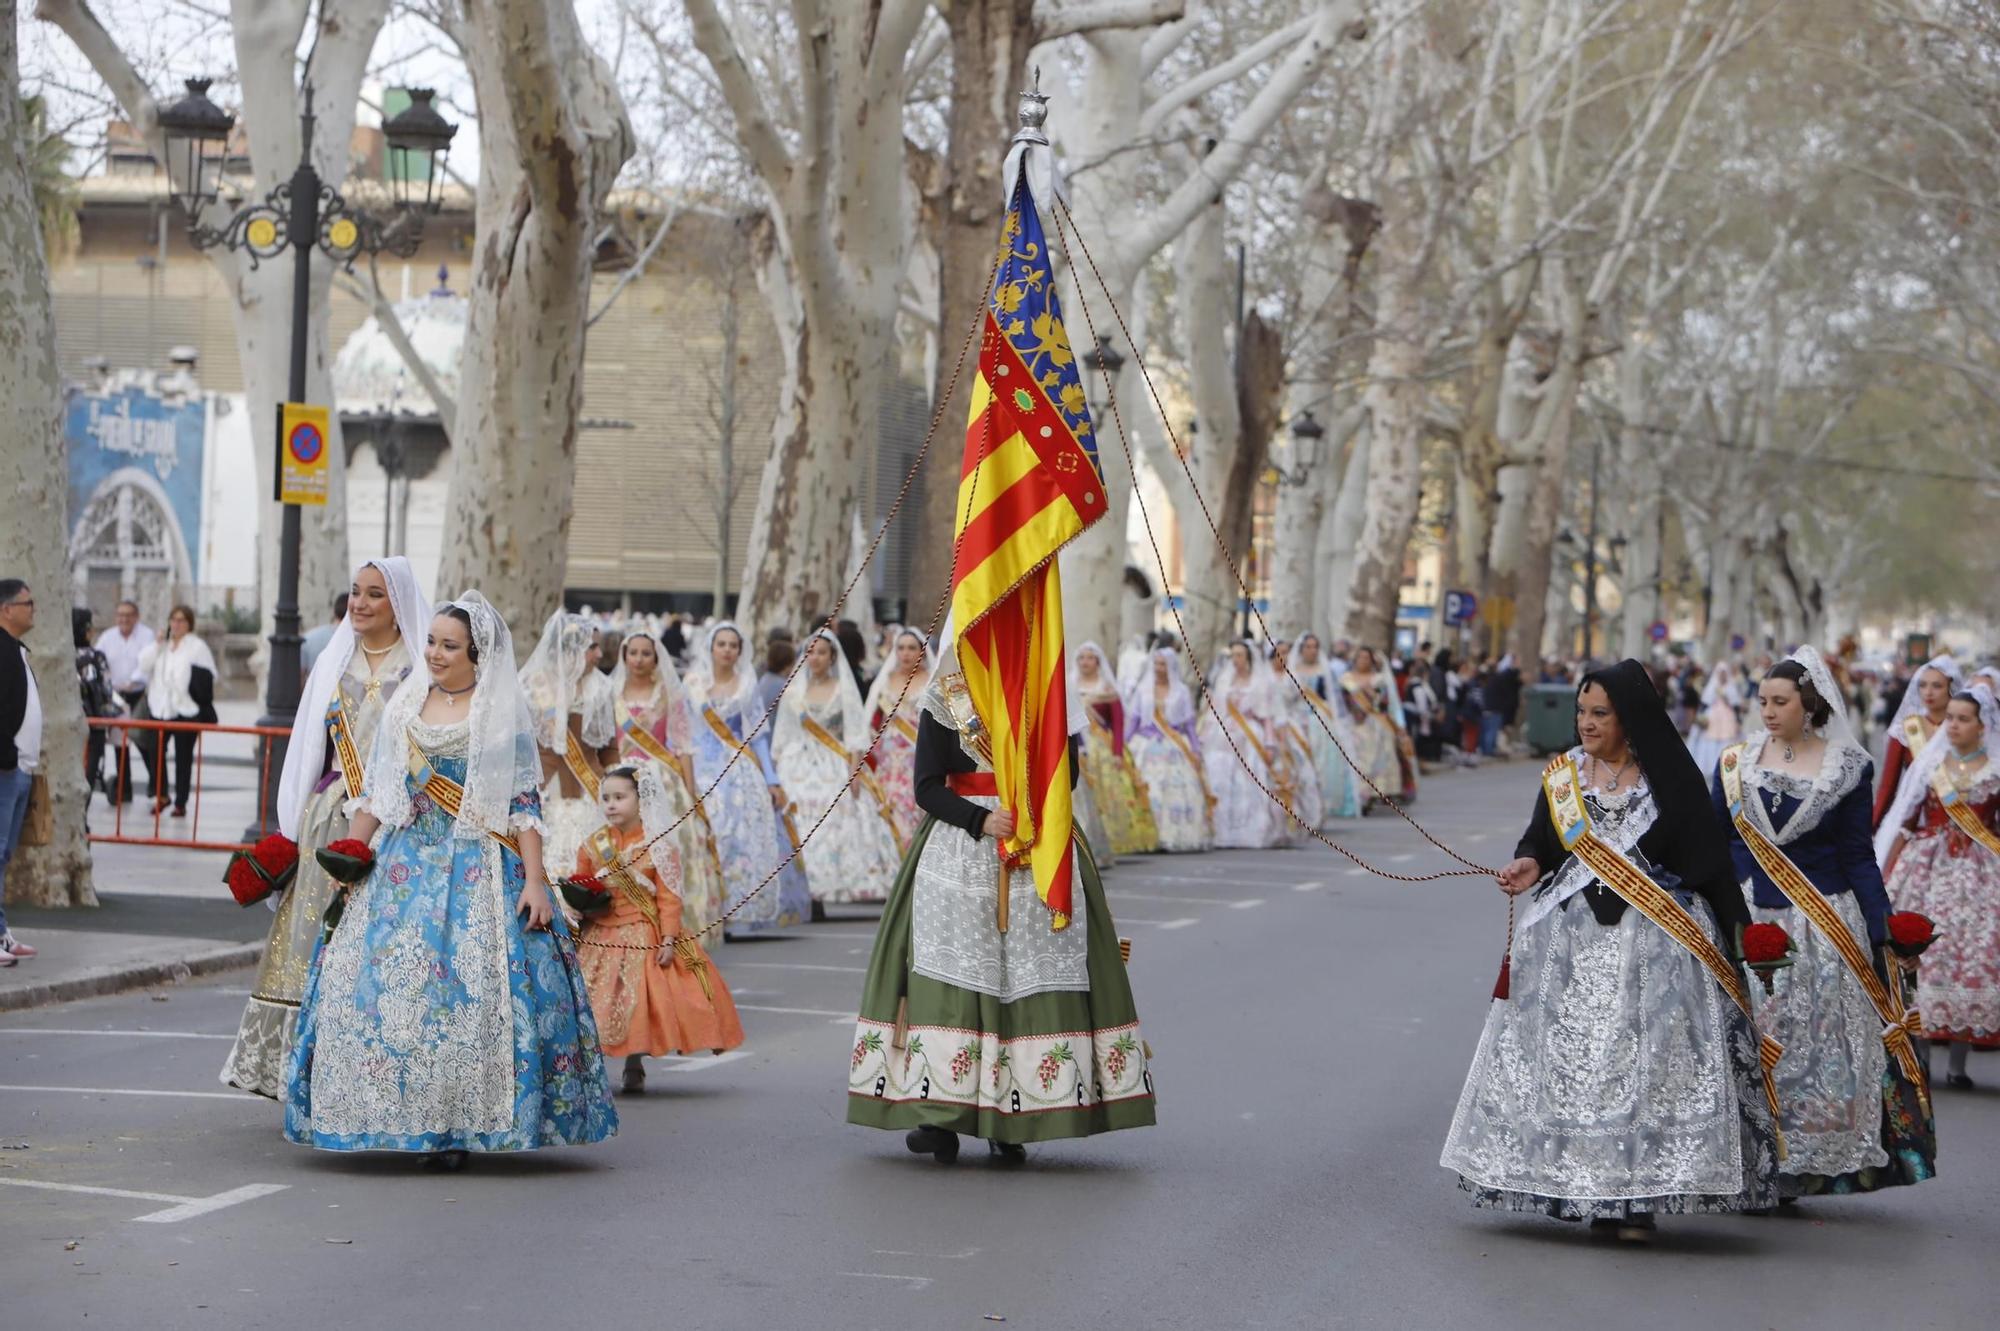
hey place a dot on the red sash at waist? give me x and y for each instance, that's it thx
(967, 784)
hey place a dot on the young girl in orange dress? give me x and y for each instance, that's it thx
(650, 995)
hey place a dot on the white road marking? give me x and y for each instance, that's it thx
(1159, 924)
(1307, 887)
(700, 1062)
(942, 1256)
(788, 1011)
(794, 966)
(1180, 923)
(1356, 872)
(917, 1282)
(241, 1097)
(150, 1035)
(1247, 903)
(183, 1208)
(1120, 894)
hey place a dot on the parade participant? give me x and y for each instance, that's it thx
(656, 725)
(1291, 715)
(1115, 787)
(1017, 1032)
(1340, 790)
(1612, 1082)
(1718, 726)
(1382, 748)
(445, 1014)
(649, 993)
(893, 706)
(1160, 735)
(1239, 772)
(822, 735)
(353, 679)
(746, 804)
(575, 726)
(1796, 796)
(1941, 843)
(1917, 718)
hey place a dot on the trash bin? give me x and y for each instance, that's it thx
(1551, 719)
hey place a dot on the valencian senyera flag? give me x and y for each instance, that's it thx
(1030, 485)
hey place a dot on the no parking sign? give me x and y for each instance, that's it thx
(303, 453)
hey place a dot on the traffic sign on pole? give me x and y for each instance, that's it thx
(1460, 607)
(1658, 632)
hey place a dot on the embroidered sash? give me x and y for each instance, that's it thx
(646, 742)
(1916, 732)
(341, 737)
(1961, 813)
(1179, 741)
(863, 777)
(448, 795)
(906, 728)
(1899, 1025)
(1250, 733)
(1572, 824)
(579, 766)
(619, 874)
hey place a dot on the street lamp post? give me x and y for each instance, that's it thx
(300, 214)
(1307, 437)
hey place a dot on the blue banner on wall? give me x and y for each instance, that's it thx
(133, 437)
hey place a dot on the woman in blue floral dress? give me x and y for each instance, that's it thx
(446, 1013)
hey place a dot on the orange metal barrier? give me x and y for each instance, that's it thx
(162, 756)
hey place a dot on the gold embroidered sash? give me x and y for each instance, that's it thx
(1573, 829)
(1961, 813)
(646, 742)
(448, 795)
(578, 764)
(1250, 733)
(907, 729)
(1899, 1025)
(341, 737)
(863, 777)
(1916, 732)
(1179, 741)
(617, 873)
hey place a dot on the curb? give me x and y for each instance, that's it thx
(99, 983)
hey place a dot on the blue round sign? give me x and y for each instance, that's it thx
(305, 443)
(1658, 632)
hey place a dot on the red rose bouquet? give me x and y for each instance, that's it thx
(1910, 933)
(586, 895)
(346, 861)
(1767, 949)
(265, 868)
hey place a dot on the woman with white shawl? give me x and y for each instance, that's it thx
(1339, 788)
(1382, 749)
(1160, 736)
(894, 704)
(1796, 796)
(1291, 719)
(1720, 724)
(575, 728)
(358, 672)
(656, 727)
(1941, 846)
(1918, 717)
(1108, 772)
(446, 1012)
(740, 788)
(822, 737)
(1237, 751)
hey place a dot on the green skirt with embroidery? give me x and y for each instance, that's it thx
(1051, 1065)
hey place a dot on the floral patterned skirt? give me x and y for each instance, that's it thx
(1058, 1064)
(1174, 790)
(1957, 884)
(1120, 798)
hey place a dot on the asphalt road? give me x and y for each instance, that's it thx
(1311, 1026)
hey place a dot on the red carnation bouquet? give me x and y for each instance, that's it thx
(1767, 949)
(586, 894)
(266, 867)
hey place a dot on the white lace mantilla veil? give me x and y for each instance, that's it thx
(701, 675)
(656, 815)
(554, 681)
(667, 686)
(500, 759)
(1223, 677)
(1139, 702)
(1105, 678)
(883, 692)
(305, 755)
(1721, 678)
(1916, 782)
(1845, 761)
(853, 730)
(1911, 703)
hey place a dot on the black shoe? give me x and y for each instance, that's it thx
(445, 1162)
(1007, 1153)
(1958, 1081)
(819, 912)
(940, 1144)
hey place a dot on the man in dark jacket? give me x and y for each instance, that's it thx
(20, 739)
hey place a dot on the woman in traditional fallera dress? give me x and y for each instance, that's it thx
(1720, 724)
(1024, 1036)
(358, 671)
(655, 726)
(575, 728)
(822, 735)
(747, 805)
(1245, 817)
(1852, 1120)
(1108, 770)
(1161, 737)
(1381, 745)
(648, 994)
(1340, 789)
(1618, 1078)
(1917, 718)
(1291, 718)
(446, 1013)
(1948, 867)
(894, 704)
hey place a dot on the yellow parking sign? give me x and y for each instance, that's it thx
(304, 447)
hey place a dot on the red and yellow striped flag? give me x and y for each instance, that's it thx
(1029, 486)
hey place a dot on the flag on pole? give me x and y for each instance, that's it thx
(1030, 484)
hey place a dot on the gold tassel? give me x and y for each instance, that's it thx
(1000, 911)
(690, 957)
(900, 1037)
(1125, 950)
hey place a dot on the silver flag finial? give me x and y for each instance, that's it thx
(1034, 113)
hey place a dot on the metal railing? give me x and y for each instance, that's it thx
(118, 731)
